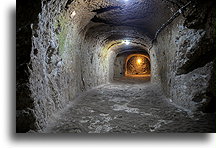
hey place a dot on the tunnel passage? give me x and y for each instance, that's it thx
(133, 63)
(73, 51)
(137, 65)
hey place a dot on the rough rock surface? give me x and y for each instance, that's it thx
(25, 118)
(186, 57)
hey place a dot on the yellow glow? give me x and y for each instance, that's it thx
(139, 66)
(139, 61)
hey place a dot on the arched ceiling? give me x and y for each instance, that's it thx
(144, 15)
(108, 21)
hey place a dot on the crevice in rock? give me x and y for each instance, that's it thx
(210, 106)
(102, 10)
(211, 93)
(96, 19)
(195, 21)
(174, 3)
(197, 62)
(68, 3)
(27, 14)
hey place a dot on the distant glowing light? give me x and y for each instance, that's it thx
(139, 61)
(126, 42)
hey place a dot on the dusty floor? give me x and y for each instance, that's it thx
(127, 106)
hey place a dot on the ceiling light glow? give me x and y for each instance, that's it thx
(126, 42)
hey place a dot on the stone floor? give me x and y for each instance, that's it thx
(127, 106)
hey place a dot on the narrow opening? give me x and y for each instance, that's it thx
(137, 65)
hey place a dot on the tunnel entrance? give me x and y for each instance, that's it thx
(137, 65)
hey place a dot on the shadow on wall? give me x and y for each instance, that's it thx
(26, 14)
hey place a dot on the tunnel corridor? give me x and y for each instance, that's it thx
(137, 65)
(116, 66)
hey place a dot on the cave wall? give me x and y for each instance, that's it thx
(155, 73)
(25, 118)
(185, 51)
(55, 74)
(119, 65)
(95, 62)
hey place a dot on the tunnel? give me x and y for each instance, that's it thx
(115, 66)
(137, 65)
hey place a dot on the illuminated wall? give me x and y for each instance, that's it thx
(137, 65)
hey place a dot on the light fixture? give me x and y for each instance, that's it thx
(126, 42)
(139, 61)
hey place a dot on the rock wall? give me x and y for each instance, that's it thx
(24, 103)
(185, 51)
(55, 74)
(119, 65)
(95, 62)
